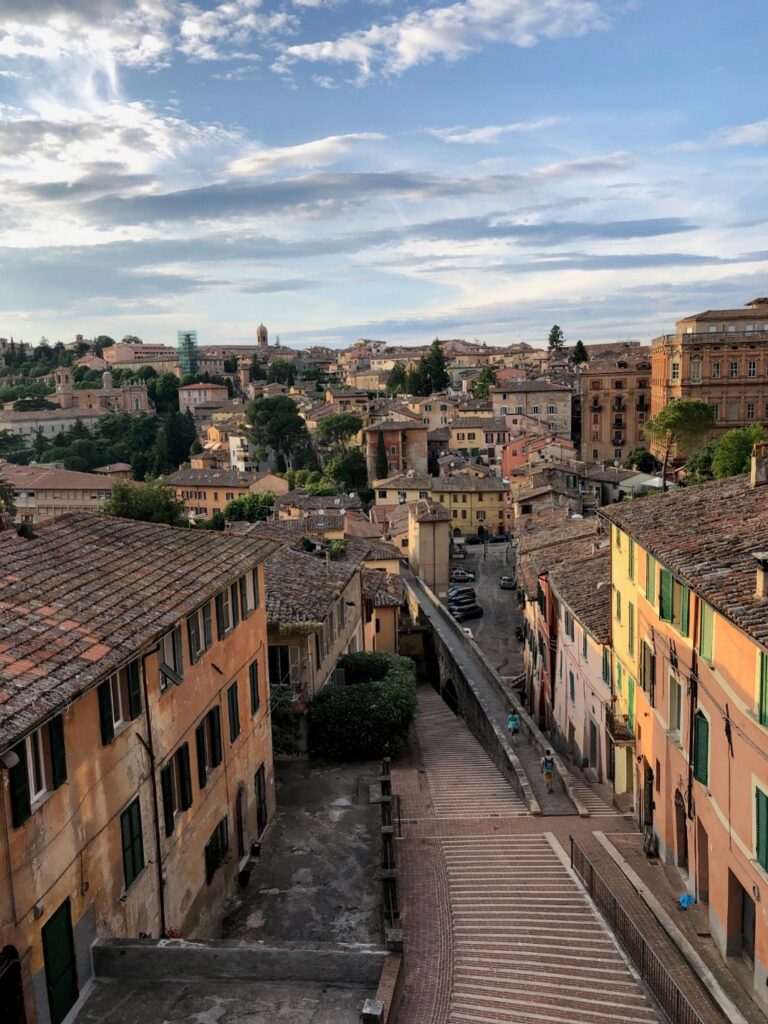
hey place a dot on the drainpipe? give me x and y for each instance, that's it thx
(155, 803)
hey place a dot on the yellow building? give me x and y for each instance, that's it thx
(135, 740)
(476, 504)
(41, 492)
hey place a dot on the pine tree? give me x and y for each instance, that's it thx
(579, 354)
(382, 465)
(556, 340)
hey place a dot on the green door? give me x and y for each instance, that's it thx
(631, 703)
(60, 969)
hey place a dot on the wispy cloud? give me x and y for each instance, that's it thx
(755, 134)
(316, 153)
(492, 133)
(450, 32)
(225, 31)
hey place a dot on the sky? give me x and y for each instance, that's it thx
(380, 169)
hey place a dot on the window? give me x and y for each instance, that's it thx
(119, 701)
(733, 410)
(706, 631)
(132, 841)
(762, 708)
(199, 631)
(733, 368)
(208, 743)
(716, 371)
(571, 686)
(648, 670)
(551, 410)
(673, 602)
(42, 768)
(696, 371)
(584, 645)
(701, 748)
(752, 368)
(253, 684)
(480, 516)
(606, 666)
(675, 703)
(618, 606)
(750, 410)
(631, 559)
(568, 624)
(227, 611)
(216, 849)
(248, 586)
(382, 494)
(675, 371)
(650, 578)
(176, 786)
(171, 659)
(595, 437)
(535, 410)
(233, 708)
(284, 664)
(715, 410)
(595, 451)
(761, 829)
(631, 628)
(617, 538)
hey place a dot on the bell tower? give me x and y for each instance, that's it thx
(64, 389)
(262, 338)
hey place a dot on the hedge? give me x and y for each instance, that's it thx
(369, 715)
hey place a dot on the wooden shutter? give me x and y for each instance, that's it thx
(685, 602)
(166, 784)
(221, 626)
(650, 579)
(234, 713)
(193, 635)
(256, 595)
(253, 679)
(58, 752)
(665, 596)
(207, 631)
(178, 655)
(215, 726)
(21, 807)
(105, 714)
(763, 708)
(706, 630)
(202, 761)
(761, 828)
(242, 585)
(134, 689)
(234, 604)
(652, 677)
(185, 777)
(701, 749)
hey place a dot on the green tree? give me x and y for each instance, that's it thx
(9, 443)
(382, 464)
(733, 451)
(484, 382)
(163, 392)
(556, 340)
(33, 405)
(252, 508)
(641, 459)
(579, 354)
(698, 468)
(281, 371)
(348, 469)
(275, 426)
(153, 502)
(416, 380)
(336, 430)
(7, 506)
(435, 368)
(396, 381)
(679, 425)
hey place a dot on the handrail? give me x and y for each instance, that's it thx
(650, 967)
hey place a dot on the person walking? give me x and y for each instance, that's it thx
(548, 769)
(513, 725)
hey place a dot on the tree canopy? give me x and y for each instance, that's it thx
(556, 340)
(252, 508)
(152, 502)
(679, 425)
(347, 469)
(396, 381)
(728, 456)
(382, 463)
(579, 354)
(275, 426)
(642, 460)
(281, 371)
(336, 430)
(484, 382)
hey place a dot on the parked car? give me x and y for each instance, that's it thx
(463, 594)
(454, 605)
(497, 538)
(507, 583)
(461, 590)
(462, 576)
(472, 611)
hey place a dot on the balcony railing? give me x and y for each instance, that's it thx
(617, 722)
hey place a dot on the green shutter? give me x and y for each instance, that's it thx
(234, 604)
(701, 749)
(652, 680)
(685, 601)
(650, 578)
(221, 626)
(761, 822)
(216, 755)
(234, 713)
(763, 709)
(185, 775)
(630, 628)
(706, 631)
(665, 596)
(133, 843)
(243, 588)
(631, 703)
(166, 785)
(202, 763)
(631, 559)
(21, 807)
(58, 752)
(134, 689)
(606, 666)
(192, 636)
(105, 714)
(253, 679)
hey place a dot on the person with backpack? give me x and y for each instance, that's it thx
(513, 725)
(548, 769)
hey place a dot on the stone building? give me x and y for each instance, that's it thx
(549, 404)
(135, 740)
(615, 395)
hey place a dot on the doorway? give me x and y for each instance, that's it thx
(60, 968)
(647, 795)
(747, 926)
(240, 821)
(681, 832)
(262, 816)
(11, 991)
(593, 750)
(702, 863)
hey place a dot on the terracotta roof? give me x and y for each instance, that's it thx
(384, 589)
(89, 592)
(536, 536)
(286, 530)
(313, 502)
(114, 467)
(385, 425)
(479, 422)
(302, 587)
(8, 416)
(212, 478)
(746, 314)
(585, 587)
(358, 525)
(45, 477)
(203, 387)
(513, 386)
(706, 535)
(466, 482)
(439, 434)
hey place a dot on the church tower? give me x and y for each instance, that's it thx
(262, 338)
(64, 390)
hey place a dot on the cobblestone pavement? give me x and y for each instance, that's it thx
(497, 931)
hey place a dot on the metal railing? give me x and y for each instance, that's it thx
(651, 969)
(390, 827)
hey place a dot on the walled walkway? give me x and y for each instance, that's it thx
(497, 931)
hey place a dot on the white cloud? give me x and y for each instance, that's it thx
(587, 165)
(450, 32)
(224, 32)
(306, 155)
(755, 134)
(490, 133)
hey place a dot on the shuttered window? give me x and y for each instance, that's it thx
(208, 744)
(176, 785)
(216, 850)
(650, 578)
(706, 631)
(253, 682)
(763, 705)
(18, 776)
(234, 713)
(631, 559)
(665, 596)
(685, 602)
(631, 628)
(58, 753)
(199, 631)
(134, 689)
(606, 665)
(132, 842)
(106, 720)
(701, 748)
(761, 828)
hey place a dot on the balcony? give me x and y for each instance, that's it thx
(618, 725)
(619, 405)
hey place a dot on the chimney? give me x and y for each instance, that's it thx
(759, 473)
(761, 584)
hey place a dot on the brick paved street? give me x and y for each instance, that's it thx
(496, 929)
